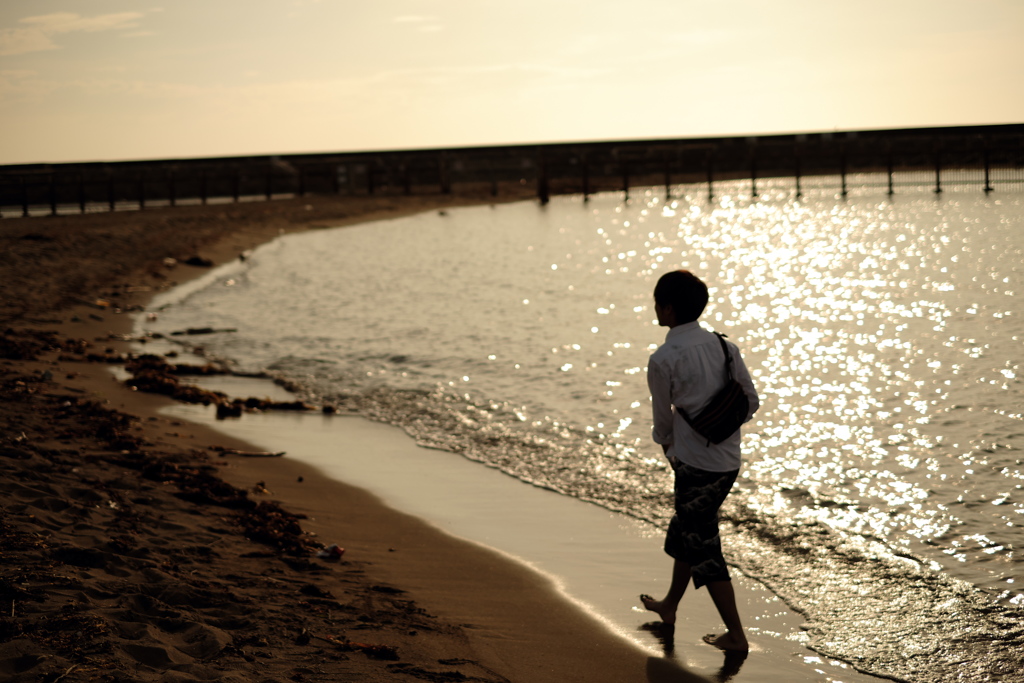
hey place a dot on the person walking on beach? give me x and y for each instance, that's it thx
(684, 375)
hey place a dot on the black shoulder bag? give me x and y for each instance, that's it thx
(727, 410)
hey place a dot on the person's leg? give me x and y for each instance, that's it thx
(666, 607)
(679, 545)
(708, 567)
(734, 638)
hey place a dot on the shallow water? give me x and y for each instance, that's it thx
(883, 334)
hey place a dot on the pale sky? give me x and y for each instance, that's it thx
(93, 80)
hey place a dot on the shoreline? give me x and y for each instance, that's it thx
(596, 558)
(524, 633)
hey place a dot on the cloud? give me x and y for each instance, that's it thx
(36, 33)
(68, 22)
(18, 41)
(422, 24)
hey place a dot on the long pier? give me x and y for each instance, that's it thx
(983, 156)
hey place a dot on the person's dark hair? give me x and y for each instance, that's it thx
(684, 292)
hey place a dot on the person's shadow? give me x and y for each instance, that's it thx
(668, 669)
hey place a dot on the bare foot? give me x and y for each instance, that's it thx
(667, 614)
(728, 642)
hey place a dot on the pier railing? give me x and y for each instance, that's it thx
(986, 157)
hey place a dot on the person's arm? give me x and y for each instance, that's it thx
(661, 405)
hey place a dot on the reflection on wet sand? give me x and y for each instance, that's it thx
(669, 669)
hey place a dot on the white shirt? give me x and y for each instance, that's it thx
(687, 371)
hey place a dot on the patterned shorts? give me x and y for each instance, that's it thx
(693, 532)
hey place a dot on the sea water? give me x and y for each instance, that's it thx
(882, 493)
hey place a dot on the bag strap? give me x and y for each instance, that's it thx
(728, 356)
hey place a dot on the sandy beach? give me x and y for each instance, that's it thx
(134, 549)
(138, 546)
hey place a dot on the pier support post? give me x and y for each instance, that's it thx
(842, 172)
(938, 172)
(442, 171)
(711, 179)
(753, 175)
(543, 191)
(142, 192)
(625, 181)
(585, 178)
(24, 198)
(889, 172)
(53, 195)
(799, 192)
(202, 187)
(81, 193)
(668, 177)
(236, 186)
(988, 186)
(110, 192)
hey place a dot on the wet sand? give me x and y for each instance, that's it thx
(596, 558)
(165, 575)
